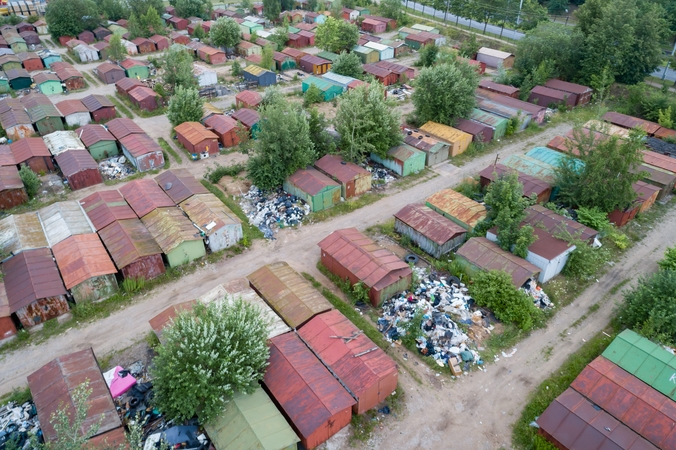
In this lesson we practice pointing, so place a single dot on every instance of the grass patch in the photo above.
(120, 107)
(67, 58)
(364, 424)
(167, 148)
(414, 178)
(498, 342)
(214, 175)
(91, 79)
(167, 161)
(615, 289)
(345, 207)
(250, 232)
(17, 395)
(524, 436)
(138, 111)
(37, 203)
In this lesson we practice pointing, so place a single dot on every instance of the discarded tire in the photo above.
(411, 258)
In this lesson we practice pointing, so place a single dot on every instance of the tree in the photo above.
(178, 68)
(537, 77)
(71, 17)
(507, 211)
(665, 117)
(322, 140)
(669, 260)
(225, 33)
(279, 37)
(557, 6)
(367, 123)
(283, 145)
(272, 95)
(348, 64)
(199, 33)
(30, 181)
(312, 5)
(272, 9)
(607, 174)
(392, 9)
(428, 55)
(134, 26)
(192, 8)
(185, 106)
(445, 92)
(469, 47)
(246, 5)
(114, 9)
(208, 355)
(532, 14)
(116, 51)
(267, 60)
(236, 69)
(140, 7)
(336, 35)
(312, 95)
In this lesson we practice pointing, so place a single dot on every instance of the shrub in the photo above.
(30, 180)
(593, 218)
(669, 260)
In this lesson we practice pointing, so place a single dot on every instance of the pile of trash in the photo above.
(540, 299)
(18, 423)
(115, 168)
(272, 210)
(400, 93)
(380, 174)
(442, 301)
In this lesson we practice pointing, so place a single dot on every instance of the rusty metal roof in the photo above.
(108, 67)
(5, 310)
(127, 241)
(180, 184)
(128, 84)
(68, 107)
(82, 257)
(567, 87)
(94, 102)
(247, 116)
(288, 293)
(305, 390)
(6, 156)
(531, 185)
(311, 181)
(457, 205)
(142, 92)
(29, 147)
(208, 212)
(626, 121)
(514, 103)
(220, 123)
(193, 132)
(52, 388)
(541, 217)
(91, 134)
(140, 144)
(487, 255)
(20, 232)
(10, 178)
(31, 275)
(249, 97)
(145, 196)
(105, 207)
(342, 170)
(170, 228)
(64, 219)
(122, 127)
(661, 161)
(429, 223)
(373, 265)
(43, 77)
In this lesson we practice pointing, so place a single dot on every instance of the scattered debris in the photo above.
(381, 175)
(540, 299)
(116, 168)
(271, 210)
(18, 423)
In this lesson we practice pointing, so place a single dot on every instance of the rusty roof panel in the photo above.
(30, 276)
(626, 121)
(247, 116)
(82, 257)
(539, 216)
(457, 205)
(311, 181)
(122, 127)
(342, 170)
(64, 219)
(53, 384)
(193, 132)
(288, 293)
(661, 161)
(179, 184)
(165, 318)
(531, 185)
(170, 228)
(92, 133)
(27, 148)
(220, 123)
(140, 144)
(10, 178)
(127, 241)
(6, 156)
(207, 209)
(145, 196)
(489, 256)
(20, 232)
(105, 207)
(427, 222)
(251, 98)
(4, 302)
(95, 102)
(68, 107)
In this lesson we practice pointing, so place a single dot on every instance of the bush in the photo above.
(313, 95)
(214, 175)
(30, 180)
(669, 260)
(593, 218)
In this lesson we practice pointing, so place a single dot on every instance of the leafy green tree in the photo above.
(208, 355)
(272, 95)
(272, 9)
(665, 118)
(348, 64)
(192, 8)
(30, 181)
(445, 92)
(312, 5)
(134, 26)
(557, 6)
(601, 84)
(312, 95)
(225, 32)
(428, 55)
(469, 47)
(114, 9)
(537, 77)
(267, 61)
(336, 35)
(199, 33)
(322, 140)
(507, 211)
(336, 9)
(551, 42)
(185, 106)
(279, 37)
(146, 25)
(71, 17)
(532, 14)
(178, 68)
(392, 9)
(116, 51)
(246, 5)
(283, 145)
(140, 7)
(287, 5)
(367, 123)
(669, 260)
(236, 69)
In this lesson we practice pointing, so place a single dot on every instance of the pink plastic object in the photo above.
(120, 385)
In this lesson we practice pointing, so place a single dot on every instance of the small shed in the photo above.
(79, 169)
(661, 178)
(429, 230)
(18, 78)
(135, 69)
(249, 118)
(62, 220)
(288, 293)
(106, 207)
(44, 115)
(225, 128)
(550, 156)
(15, 120)
(71, 77)
(101, 33)
(161, 42)
(125, 85)
(497, 124)
(74, 112)
(259, 75)
(142, 152)
(479, 253)
(350, 255)
(284, 61)
(502, 89)
(52, 387)
(246, 48)
(48, 83)
(86, 53)
(416, 41)
(526, 111)
(531, 166)
(403, 73)
(196, 138)
(458, 140)
(580, 95)
(179, 185)
(100, 107)
(211, 55)
(354, 180)
(179, 240)
(25, 26)
(98, 141)
(435, 151)
(145, 98)
(61, 141)
(248, 99)
(86, 269)
(30, 61)
(546, 219)
(30, 37)
(541, 95)
(4, 83)
(295, 54)
(10, 61)
(451, 204)
(48, 57)
(12, 190)
(402, 159)
(314, 64)
(479, 131)
(179, 38)
(41, 27)
(659, 160)
(219, 225)
(34, 153)
(20, 232)
(531, 185)
(314, 402)
(385, 76)
(110, 73)
(179, 23)
(625, 121)
(328, 89)
(373, 26)
(35, 292)
(329, 56)
(384, 51)
(370, 377)
(133, 249)
(144, 45)
(297, 41)
(145, 196)
(495, 58)
(318, 190)
(341, 80)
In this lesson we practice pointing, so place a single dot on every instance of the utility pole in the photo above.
(664, 74)
(518, 17)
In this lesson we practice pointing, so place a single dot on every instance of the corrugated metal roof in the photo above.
(39, 107)
(142, 92)
(68, 107)
(193, 132)
(626, 121)
(10, 178)
(656, 174)
(430, 224)
(343, 171)
(338, 79)
(249, 97)
(52, 388)
(508, 90)
(127, 241)
(487, 255)
(91, 134)
(302, 386)
(75, 161)
(370, 263)
(255, 70)
(127, 84)
(658, 160)
(423, 142)
(567, 87)
(108, 67)
(445, 132)
(220, 123)
(61, 141)
(30, 276)
(6, 156)
(549, 92)
(82, 257)
(531, 166)
(64, 219)
(293, 52)
(206, 209)
(402, 152)
(531, 185)
(457, 205)
(44, 77)
(95, 102)
(145, 196)
(105, 207)
(552, 157)
(311, 180)
(128, 63)
(27, 148)
(513, 103)
(541, 217)
(179, 184)
(315, 60)
(288, 293)
(376, 70)
(122, 127)
(247, 116)
(20, 232)
(170, 228)
(322, 83)
(495, 53)
(13, 74)
(140, 144)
